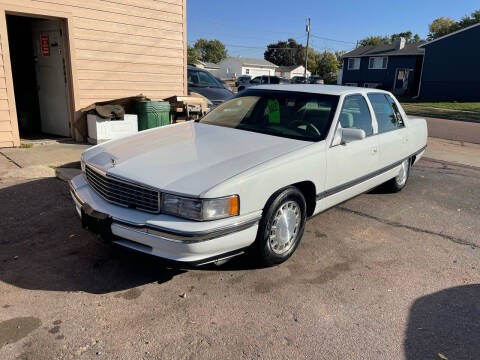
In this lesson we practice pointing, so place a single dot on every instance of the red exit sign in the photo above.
(44, 45)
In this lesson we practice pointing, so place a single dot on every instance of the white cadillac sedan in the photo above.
(248, 174)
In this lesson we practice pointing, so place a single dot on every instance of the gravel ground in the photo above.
(380, 277)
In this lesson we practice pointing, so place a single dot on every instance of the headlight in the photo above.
(201, 209)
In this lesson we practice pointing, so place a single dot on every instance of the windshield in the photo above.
(201, 79)
(289, 114)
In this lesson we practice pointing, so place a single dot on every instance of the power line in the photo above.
(330, 39)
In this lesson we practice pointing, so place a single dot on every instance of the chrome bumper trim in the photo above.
(74, 193)
(171, 234)
(186, 236)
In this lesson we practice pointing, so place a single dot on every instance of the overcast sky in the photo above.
(247, 26)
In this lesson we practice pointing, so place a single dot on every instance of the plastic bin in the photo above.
(100, 129)
(153, 114)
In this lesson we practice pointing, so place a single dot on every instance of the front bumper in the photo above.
(164, 235)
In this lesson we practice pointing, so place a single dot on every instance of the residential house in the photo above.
(394, 67)
(288, 72)
(59, 56)
(236, 66)
(451, 66)
(212, 68)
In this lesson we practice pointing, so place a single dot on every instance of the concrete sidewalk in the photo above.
(457, 152)
(41, 161)
(453, 130)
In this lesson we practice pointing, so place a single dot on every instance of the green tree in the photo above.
(338, 55)
(193, 55)
(210, 50)
(467, 21)
(374, 41)
(327, 66)
(285, 53)
(440, 27)
(384, 40)
(407, 35)
(444, 26)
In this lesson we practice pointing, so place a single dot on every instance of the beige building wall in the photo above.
(117, 48)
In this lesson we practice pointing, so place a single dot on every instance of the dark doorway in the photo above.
(23, 71)
(37, 54)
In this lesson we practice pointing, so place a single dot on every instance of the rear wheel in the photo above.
(282, 226)
(400, 181)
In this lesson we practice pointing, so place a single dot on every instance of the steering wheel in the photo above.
(309, 127)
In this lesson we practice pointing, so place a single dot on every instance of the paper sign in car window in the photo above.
(273, 107)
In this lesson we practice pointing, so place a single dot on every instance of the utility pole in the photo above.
(306, 49)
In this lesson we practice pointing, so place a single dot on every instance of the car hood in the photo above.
(212, 94)
(187, 158)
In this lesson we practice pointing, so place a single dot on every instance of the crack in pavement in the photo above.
(412, 228)
(11, 160)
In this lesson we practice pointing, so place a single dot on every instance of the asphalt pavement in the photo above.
(382, 276)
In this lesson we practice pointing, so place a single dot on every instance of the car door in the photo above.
(350, 164)
(392, 133)
(265, 79)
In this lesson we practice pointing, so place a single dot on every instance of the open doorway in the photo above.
(37, 55)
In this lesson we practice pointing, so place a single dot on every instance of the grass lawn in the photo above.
(451, 110)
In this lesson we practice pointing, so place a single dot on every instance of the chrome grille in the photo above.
(123, 193)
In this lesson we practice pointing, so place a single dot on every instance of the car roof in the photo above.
(320, 89)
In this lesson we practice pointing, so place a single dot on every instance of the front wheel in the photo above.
(282, 226)
(400, 181)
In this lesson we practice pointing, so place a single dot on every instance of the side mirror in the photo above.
(349, 135)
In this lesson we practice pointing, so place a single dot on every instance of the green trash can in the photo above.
(153, 114)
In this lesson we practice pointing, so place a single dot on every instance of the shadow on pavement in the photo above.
(43, 246)
(446, 323)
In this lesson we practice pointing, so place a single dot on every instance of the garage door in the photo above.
(259, 72)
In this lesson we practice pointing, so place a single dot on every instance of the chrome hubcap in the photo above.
(285, 225)
(402, 175)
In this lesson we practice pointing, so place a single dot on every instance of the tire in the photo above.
(284, 214)
(400, 181)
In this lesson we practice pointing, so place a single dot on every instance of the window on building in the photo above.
(386, 112)
(247, 71)
(378, 62)
(353, 64)
(356, 115)
(372, 85)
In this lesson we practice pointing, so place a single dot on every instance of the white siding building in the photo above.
(231, 67)
(288, 72)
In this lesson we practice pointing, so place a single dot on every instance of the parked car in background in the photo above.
(205, 84)
(263, 80)
(242, 79)
(248, 174)
(225, 85)
(315, 79)
(299, 80)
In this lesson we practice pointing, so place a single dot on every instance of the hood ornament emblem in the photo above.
(113, 162)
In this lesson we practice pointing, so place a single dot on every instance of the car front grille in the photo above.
(123, 193)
